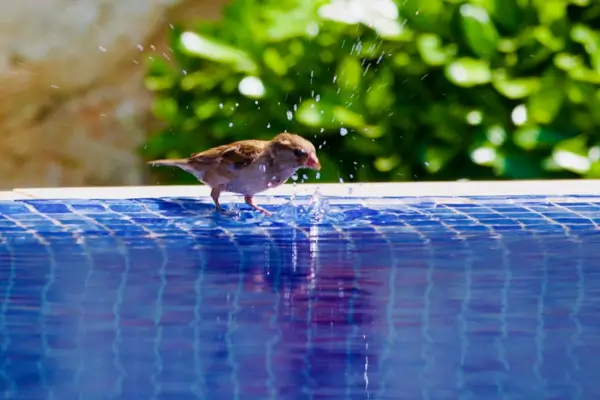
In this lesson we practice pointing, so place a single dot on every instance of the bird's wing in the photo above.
(237, 154)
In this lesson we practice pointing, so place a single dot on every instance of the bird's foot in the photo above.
(250, 201)
(223, 211)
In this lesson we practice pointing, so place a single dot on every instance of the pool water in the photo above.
(448, 298)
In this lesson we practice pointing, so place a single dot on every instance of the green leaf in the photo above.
(545, 104)
(386, 164)
(275, 62)
(165, 108)
(507, 13)
(379, 96)
(349, 73)
(197, 45)
(328, 116)
(531, 138)
(518, 166)
(514, 88)
(347, 117)
(590, 41)
(594, 171)
(575, 67)
(423, 14)
(206, 80)
(468, 72)
(436, 158)
(550, 11)
(158, 83)
(206, 109)
(544, 35)
(572, 155)
(479, 31)
(372, 132)
(431, 49)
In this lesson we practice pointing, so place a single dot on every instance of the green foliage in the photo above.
(444, 89)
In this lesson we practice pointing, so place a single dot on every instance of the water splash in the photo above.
(318, 207)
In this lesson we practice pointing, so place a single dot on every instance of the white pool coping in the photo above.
(550, 188)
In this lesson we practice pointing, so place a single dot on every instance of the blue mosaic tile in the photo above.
(143, 298)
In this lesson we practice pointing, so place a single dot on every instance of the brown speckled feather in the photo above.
(238, 154)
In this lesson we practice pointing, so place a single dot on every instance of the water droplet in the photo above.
(102, 48)
(295, 177)
(318, 175)
(140, 47)
(268, 125)
(318, 98)
(322, 130)
(221, 106)
(183, 71)
(341, 180)
(289, 115)
(334, 78)
(351, 176)
(343, 131)
(230, 124)
(304, 177)
(262, 167)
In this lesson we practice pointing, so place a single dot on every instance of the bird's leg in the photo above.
(215, 193)
(250, 202)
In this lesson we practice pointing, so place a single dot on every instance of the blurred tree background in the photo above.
(391, 91)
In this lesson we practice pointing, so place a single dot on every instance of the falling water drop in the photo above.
(102, 48)
(268, 125)
(318, 175)
(221, 106)
(262, 168)
(343, 131)
(231, 124)
(289, 115)
(295, 177)
(341, 180)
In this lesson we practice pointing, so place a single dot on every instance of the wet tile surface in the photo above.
(480, 298)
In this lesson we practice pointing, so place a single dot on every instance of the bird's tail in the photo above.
(182, 162)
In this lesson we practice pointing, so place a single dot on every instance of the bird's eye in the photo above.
(299, 152)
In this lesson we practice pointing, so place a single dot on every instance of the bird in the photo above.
(248, 167)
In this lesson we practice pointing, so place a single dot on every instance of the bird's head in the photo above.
(294, 150)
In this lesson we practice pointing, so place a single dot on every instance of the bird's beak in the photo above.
(312, 162)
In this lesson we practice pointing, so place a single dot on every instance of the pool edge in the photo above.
(348, 190)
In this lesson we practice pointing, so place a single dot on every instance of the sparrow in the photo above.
(248, 167)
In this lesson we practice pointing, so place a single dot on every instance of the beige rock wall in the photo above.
(73, 109)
